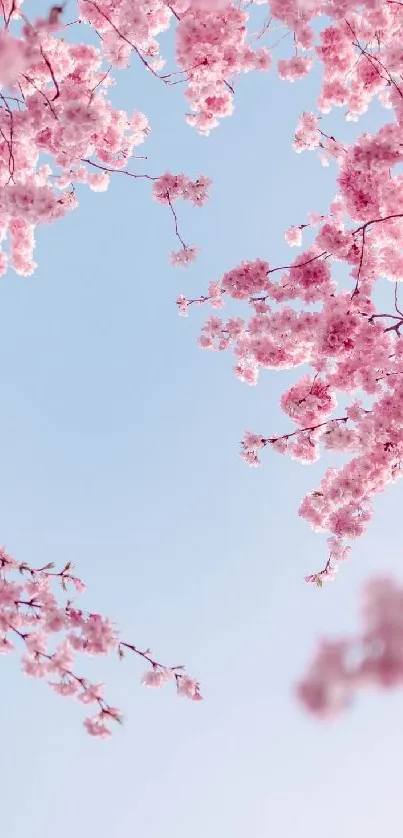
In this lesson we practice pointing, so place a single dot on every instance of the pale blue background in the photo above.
(119, 443)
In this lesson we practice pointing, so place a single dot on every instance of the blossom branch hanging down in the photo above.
(350, 347)
(63, 111)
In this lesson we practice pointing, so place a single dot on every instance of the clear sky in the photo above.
(119, 442)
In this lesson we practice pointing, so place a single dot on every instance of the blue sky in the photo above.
(119, 442)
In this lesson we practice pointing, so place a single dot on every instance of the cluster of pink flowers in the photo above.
(352, 349)
(58, 103)
(212, 49)
(292, 69)
(309, 401)
(168, 188)
(128, 27)
(372, 658)
(54, 102)
(51, 631)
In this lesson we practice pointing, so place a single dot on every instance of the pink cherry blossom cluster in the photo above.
(298, 313)
(51, 631)
(54, 98)
(372, 658)
(211, 47)
(54, 102)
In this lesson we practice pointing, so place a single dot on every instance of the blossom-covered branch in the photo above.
(298, 313)
(54, 101)
(52, 631)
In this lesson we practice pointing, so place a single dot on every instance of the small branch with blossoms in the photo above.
(251, 443)
(339, 551)
(126, 40)
(168, 188)
(32, 614)
(374, 61)
(168, 78)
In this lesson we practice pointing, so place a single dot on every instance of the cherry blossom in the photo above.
(59, 131)
(51, 631)
(54, 102)
(293, 236)
(297, 313)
